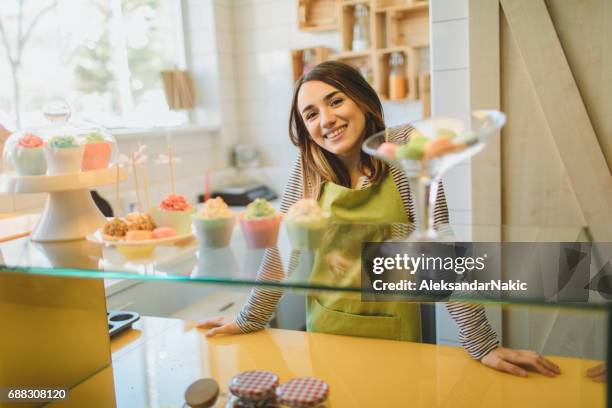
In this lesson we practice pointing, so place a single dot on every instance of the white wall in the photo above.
(265, 32)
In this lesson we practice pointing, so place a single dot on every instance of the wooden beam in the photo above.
(485, 94)
(564, 111)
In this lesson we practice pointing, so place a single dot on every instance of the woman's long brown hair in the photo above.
(319, 165)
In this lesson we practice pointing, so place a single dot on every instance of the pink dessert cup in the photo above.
(261, 233)
(215, 232)
(96, 156)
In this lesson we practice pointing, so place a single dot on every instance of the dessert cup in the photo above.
(179, 220)
(96, 156)
(29, 161)
(307, 236)
(214, 232)
(62, 160)
(261, 233)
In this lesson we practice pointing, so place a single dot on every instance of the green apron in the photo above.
(362, 216)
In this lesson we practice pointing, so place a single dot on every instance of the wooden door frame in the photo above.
(563, 108)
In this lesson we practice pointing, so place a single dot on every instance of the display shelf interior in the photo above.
(318, 55)
(425, 94)
(408, 25)
(317, 15)
(347, 23)
(409, 69)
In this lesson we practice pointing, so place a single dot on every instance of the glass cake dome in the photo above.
(61, 147)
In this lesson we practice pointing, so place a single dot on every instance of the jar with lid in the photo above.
(305, 392)
(61, 147)
(307, 61)
(397, 79)
(361, 29)
(253, 389)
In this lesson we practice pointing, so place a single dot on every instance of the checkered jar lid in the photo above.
(302, 392)
(254, 385)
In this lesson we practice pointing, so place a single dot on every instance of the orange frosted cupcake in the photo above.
(175, 212)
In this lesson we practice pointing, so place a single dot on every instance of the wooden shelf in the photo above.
(394, 26)
(317, 15)
(318, 55)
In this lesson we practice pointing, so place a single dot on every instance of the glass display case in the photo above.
(53, 302)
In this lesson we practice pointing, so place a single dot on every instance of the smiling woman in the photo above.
(333, 110)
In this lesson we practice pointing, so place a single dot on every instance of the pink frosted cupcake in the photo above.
(214, 224)
(97, 152)
(260, 224)
(28, 156)
(175, 212)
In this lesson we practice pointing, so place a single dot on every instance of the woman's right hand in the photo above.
(219, 325)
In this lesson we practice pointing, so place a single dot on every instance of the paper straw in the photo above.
(138, 202)
(117, 210)
(171, 164)
(206, 185)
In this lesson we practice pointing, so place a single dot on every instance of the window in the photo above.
(104, 57)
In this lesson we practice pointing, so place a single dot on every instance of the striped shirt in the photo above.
(475, 333)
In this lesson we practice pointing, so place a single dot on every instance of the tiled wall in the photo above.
(451, 90)
(264, 33)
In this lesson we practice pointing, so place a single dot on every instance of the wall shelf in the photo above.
(317, 55)
(317, 15)
(393, 26)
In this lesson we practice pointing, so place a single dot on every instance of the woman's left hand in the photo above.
(517, 362)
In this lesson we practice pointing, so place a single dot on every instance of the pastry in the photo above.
(214, 223)
(137, 221)
(115, 229)
(306, 222)
(175, 212)
(96, 153)
(28, 156)
(260, 224)
(63, 154)
(163, 232)
(387, 149)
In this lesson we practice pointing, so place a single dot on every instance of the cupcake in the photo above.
(306, 222)
(96, 152)
(214, 223)
(28, 156)
(64, 155)
(175, 212)
(260, 224)
(137, 251)
(115, 230)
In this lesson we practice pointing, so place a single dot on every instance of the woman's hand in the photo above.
(599, 373)
(219, 325)
(517, 362)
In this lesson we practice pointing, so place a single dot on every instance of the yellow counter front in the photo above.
(154, 364)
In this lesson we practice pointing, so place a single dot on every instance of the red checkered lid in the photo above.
(303, 392)
(254, 385)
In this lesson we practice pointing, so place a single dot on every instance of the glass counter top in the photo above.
(547, 268)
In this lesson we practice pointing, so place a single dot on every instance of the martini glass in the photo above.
(424, 175)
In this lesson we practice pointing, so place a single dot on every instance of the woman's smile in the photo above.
(335, 134)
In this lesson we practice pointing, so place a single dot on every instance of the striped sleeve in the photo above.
(475, 332)
(262, 302)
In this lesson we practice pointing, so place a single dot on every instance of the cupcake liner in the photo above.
(213, 233)
(305, 236)
(261, 233)
(29, 161)
(64, 160)
(96, 156)
(179, 220)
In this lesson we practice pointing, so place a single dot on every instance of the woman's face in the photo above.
(334, 121)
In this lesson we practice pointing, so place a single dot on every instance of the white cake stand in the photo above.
(70, 213)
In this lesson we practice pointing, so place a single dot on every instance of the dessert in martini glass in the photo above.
(433, 147)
